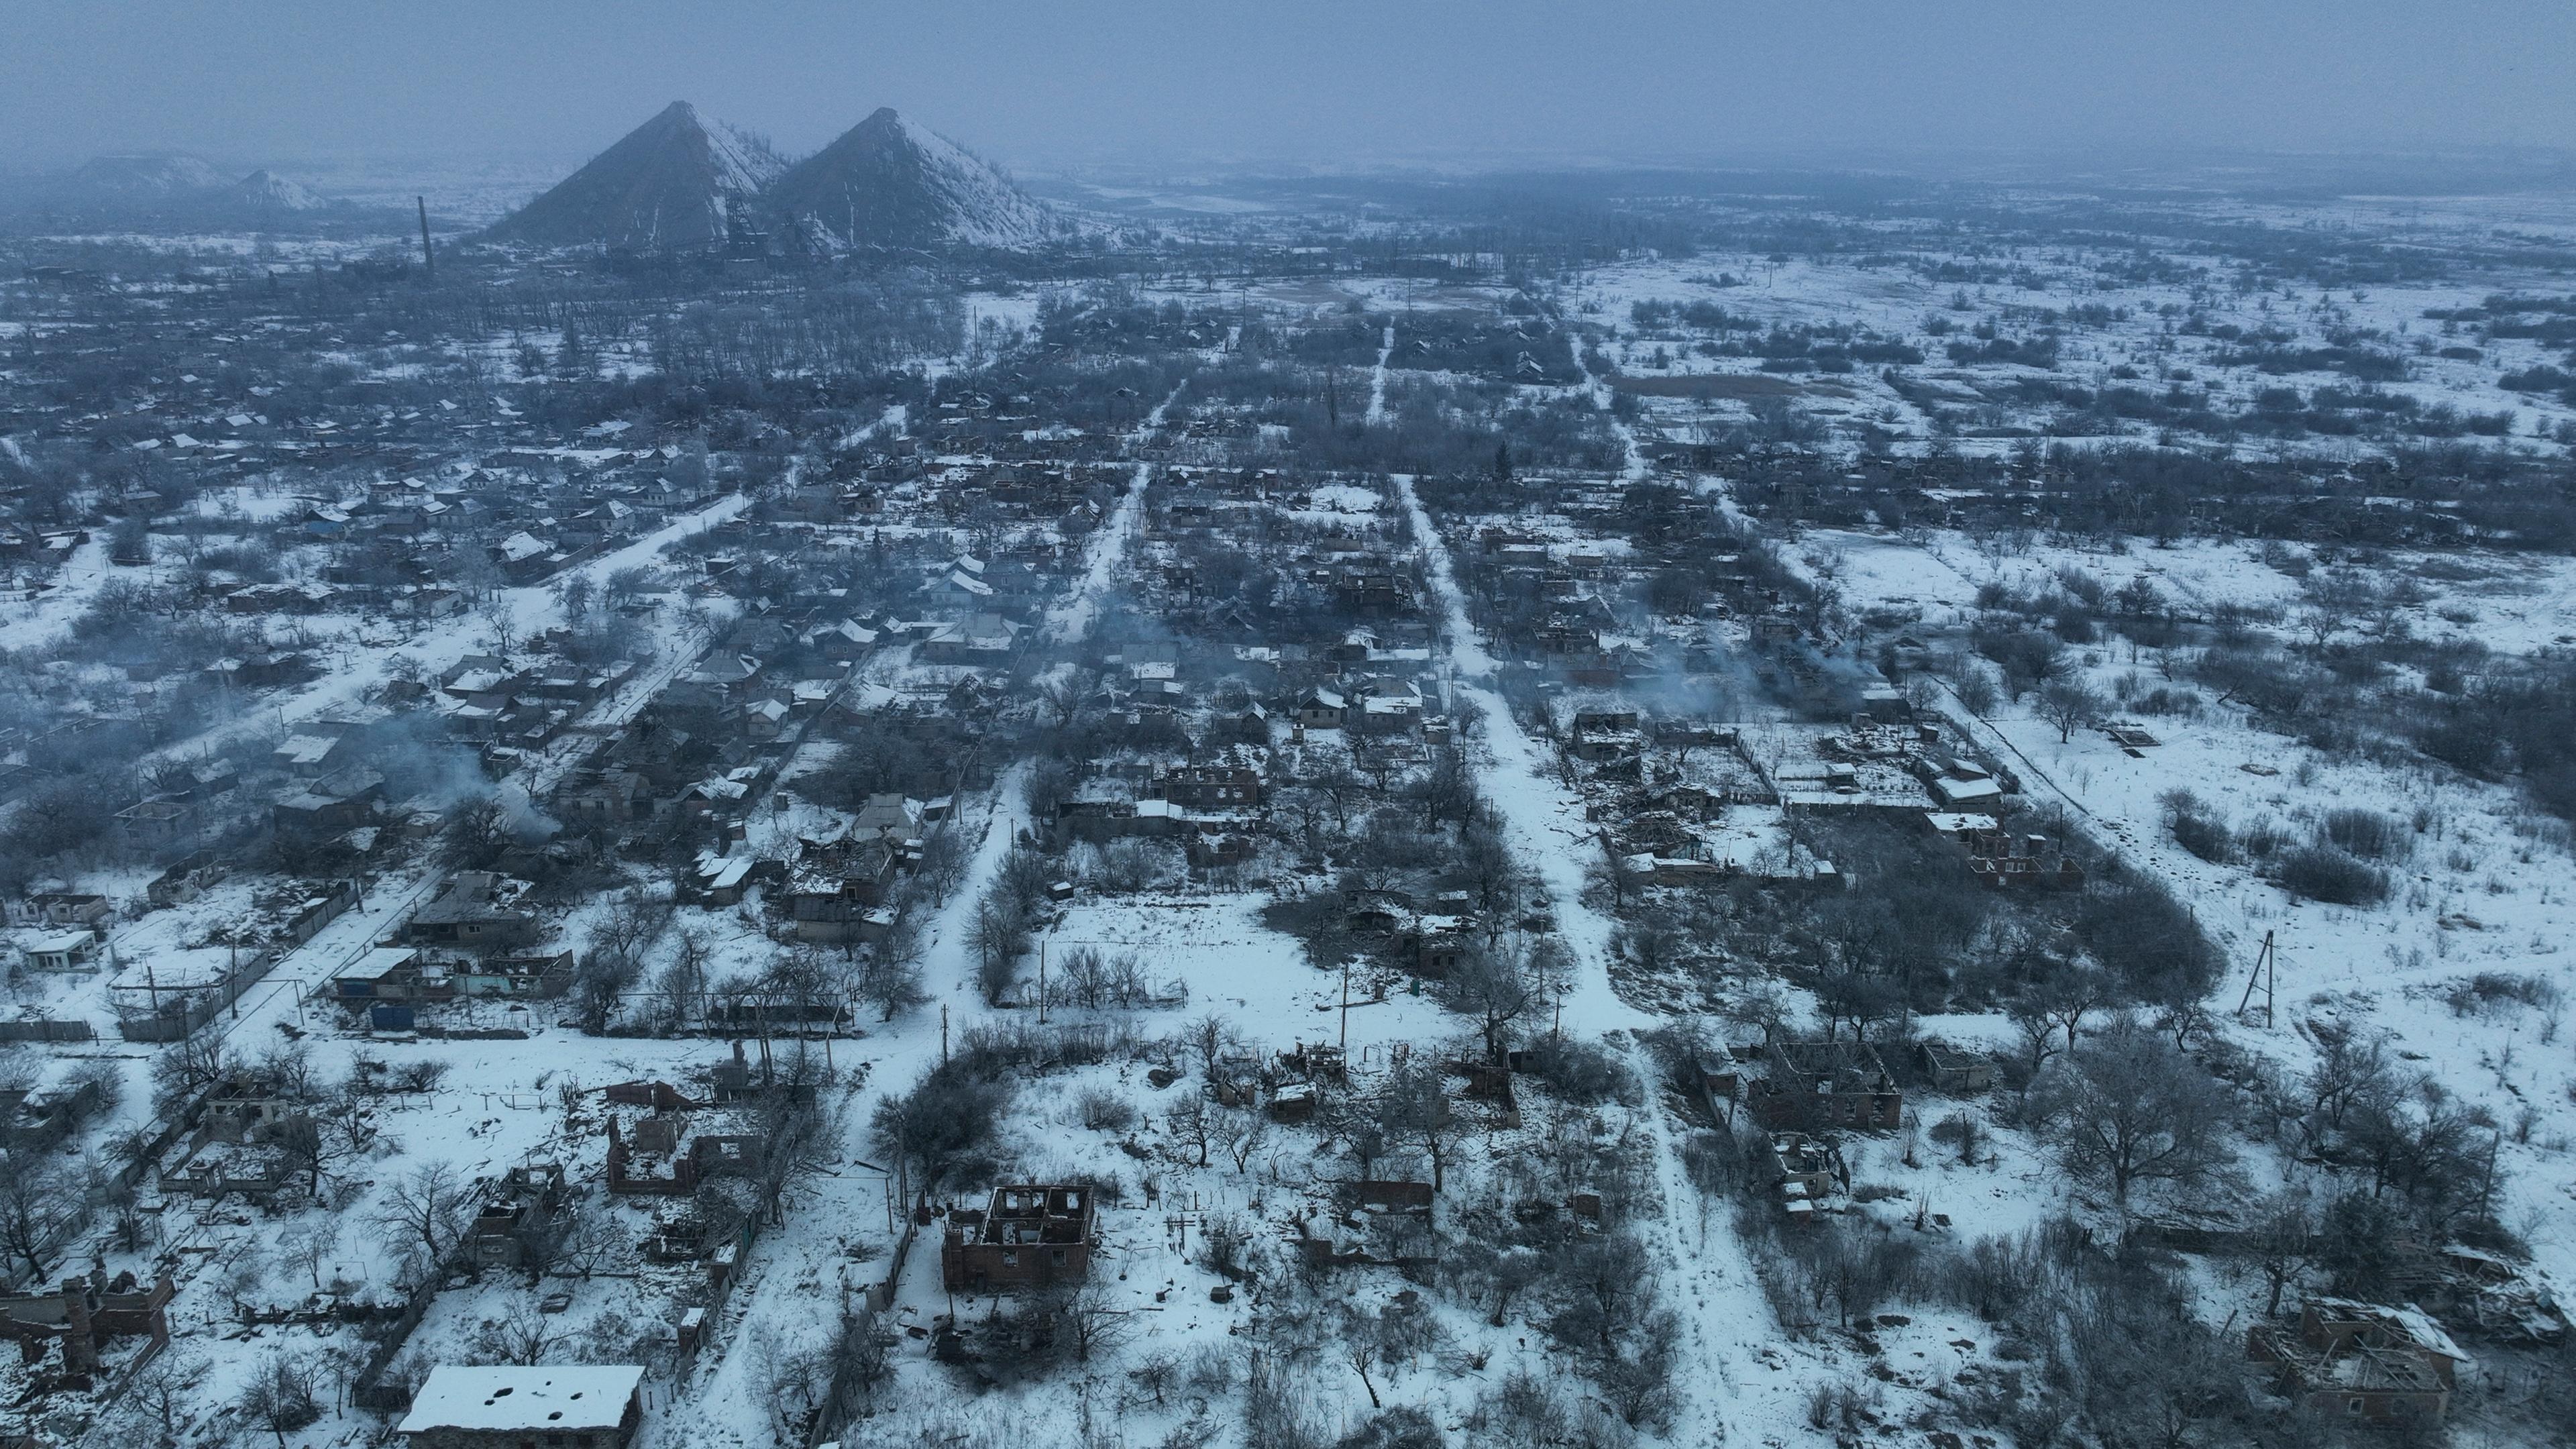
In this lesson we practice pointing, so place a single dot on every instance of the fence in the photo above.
(179, 1019)
(367, 1391)
(47, 1031)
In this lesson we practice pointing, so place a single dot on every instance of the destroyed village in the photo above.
(740, 797)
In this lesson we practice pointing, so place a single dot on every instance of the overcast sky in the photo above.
(1046, 82)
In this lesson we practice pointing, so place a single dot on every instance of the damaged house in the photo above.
(2365, 1363)
(1029, 1234)
(1816, 1085)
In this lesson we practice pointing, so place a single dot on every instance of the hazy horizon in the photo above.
(1329, 86)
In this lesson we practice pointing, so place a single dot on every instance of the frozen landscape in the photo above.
(745, 795)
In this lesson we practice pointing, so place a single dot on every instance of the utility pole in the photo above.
(428, 258)
(2266, 966)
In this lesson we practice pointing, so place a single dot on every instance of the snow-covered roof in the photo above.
(307, 749)
(379, 963)
(59, 943)
(1955, 791)
(523, 545)
(549, 1398)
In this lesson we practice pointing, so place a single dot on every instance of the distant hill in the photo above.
(170, 193)
(889, 183)
(268, 191)
(676, 183)
(141, 179)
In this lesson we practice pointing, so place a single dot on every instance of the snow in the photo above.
(76, 586)
(985, 209)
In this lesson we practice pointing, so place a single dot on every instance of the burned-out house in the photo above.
(1954, 1069)
(1211, 788)
(61, 909)
(664, 1160)
(1029, 1235)
(160, 823)
(516, 1213)
(1804, 1170)
(603, 798)
(247, 1120)
(539, 974)
(80, 1316)
(1819, 1085)
(342, 800)
(386, 973)
(2029, 862)
(1601, 736)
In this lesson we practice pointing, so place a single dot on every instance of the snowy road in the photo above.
(786, 1305)
(1073, 619)
(1600, 392)
(1377, 377)
(1709, 1280)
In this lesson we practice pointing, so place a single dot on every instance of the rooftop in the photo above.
(553, 1398)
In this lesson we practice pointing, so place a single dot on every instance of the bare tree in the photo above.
(311, 1246)
(1095, 1321)
(1499, 987)
(1360, 1349)
(524, 1334)
(1242, 1144)
(2283, 1246)
(998, 935)
(1448, 791)
(163, 1390)
(1196, 1125)
(2128, 1108)
(948, 1114)
(2069, 705)
(428, 1206)
(280, 1396)
(1414, 1108)
(890, 978)
(1212, 1038)
(1065, 692)
(1764, 1006)
(193, 1065)
(39, 1208)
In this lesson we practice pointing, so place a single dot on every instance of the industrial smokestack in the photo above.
(428, 259)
